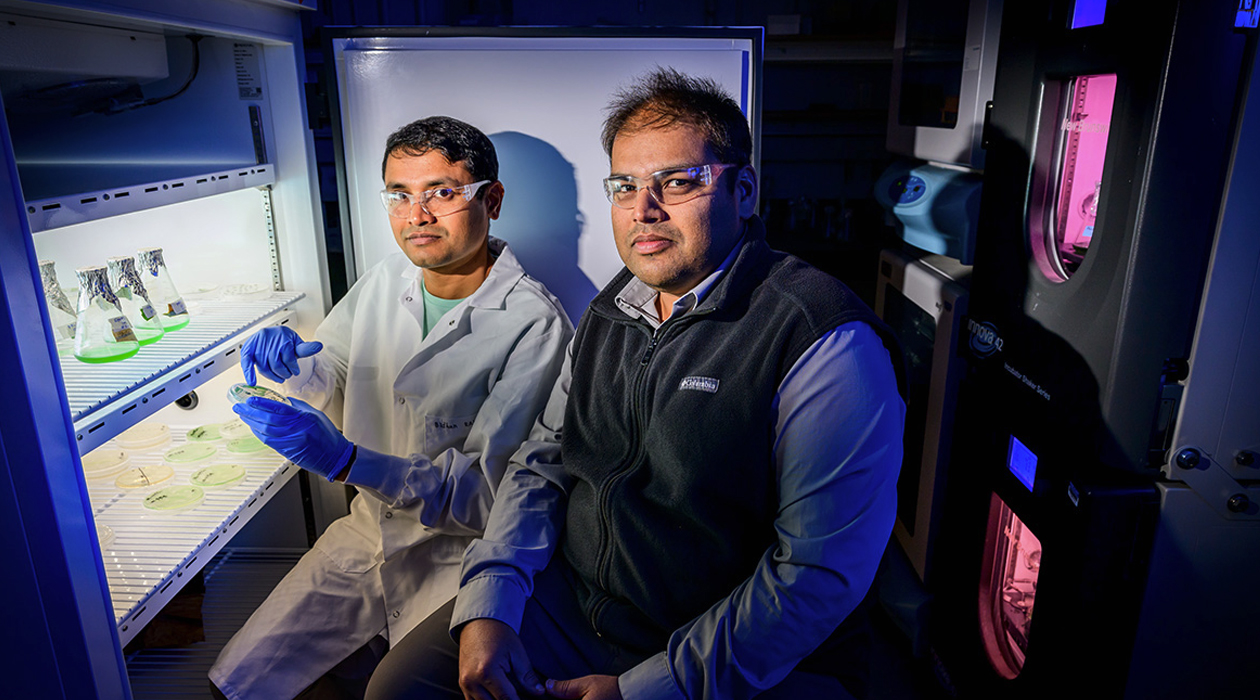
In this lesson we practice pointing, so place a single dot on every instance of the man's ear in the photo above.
(494, 199)
(746, 192)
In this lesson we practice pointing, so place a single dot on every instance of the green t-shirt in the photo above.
(434, 308)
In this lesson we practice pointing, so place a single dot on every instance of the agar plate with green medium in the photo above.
(190, 453)
(206, 433)
(240, 393)
(233, 429)
(175, 498)
(246, 445)
(218, 476)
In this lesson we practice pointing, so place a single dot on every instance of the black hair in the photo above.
(457, 141)
(665, 97)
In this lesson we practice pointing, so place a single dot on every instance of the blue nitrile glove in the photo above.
(299, 432)
(275, 350)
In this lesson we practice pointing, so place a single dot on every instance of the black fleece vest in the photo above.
(669, 435)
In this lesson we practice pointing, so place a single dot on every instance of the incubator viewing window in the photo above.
(1008, 588)
(1064, 228)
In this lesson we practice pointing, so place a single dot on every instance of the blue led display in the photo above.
(1248, 14)
(1088, 13)
(1022, 463)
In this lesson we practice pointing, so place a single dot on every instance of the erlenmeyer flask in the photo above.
(104, 333)
(157, 281)
(134, 300)
(60, 312)
(1089, 214)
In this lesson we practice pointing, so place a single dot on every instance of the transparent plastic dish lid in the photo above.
(104, 535)
(143, 477)
(218, 475)
(189, 453)
(234, 428)
(173, 498)
(145, 435)
(245, 445)
(245, 292)
(105, 461)
(206, 433)
(239, 393)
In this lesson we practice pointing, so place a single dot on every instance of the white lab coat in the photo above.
(450, 409)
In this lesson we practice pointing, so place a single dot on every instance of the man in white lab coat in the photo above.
(443, 355)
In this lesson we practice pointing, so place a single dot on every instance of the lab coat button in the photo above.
(388, 515)
(401, 400)
(397, 613)
(408, 298)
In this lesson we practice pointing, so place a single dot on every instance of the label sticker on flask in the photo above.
(176, 308)
(67, 331)
(147, 312)
(121, 328)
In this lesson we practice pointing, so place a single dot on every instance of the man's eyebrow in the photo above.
(430, 185)
(667, 169)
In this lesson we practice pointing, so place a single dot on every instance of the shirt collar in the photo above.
(638, 300)
(492, 294)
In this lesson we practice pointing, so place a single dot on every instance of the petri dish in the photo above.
(246, 445)
(175, 498)
(246, 292)
(203, 291)
(190, 453)
(145, 436)
(104, 535)
(234, 428)
(206, 433)
(238, 393)
(144, 477)
(218, 476)
(105, 461)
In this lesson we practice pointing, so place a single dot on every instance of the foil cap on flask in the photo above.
(105, 333)
(134, 300)
(157, 280)
(60, 311)
(52, 288)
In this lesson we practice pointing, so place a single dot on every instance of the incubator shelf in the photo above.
(106, 399)
(105, 198)
(154, 552)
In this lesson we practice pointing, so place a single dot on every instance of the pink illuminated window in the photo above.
(1069, 221)
(1008, 588)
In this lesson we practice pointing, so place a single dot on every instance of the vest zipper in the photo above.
(605, 496)
(647, 354)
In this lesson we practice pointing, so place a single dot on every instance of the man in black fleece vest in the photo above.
(706, 497)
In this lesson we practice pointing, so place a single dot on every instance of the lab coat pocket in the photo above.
(352, 542)
(444, 432)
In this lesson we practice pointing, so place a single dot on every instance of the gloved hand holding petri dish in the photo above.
(240, 393)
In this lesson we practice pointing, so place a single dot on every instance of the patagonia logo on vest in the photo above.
(706, 384)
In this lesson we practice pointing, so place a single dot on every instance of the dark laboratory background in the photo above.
(827, 72)
(1078, 502)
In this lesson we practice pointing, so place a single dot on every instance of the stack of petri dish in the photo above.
(145, 436)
